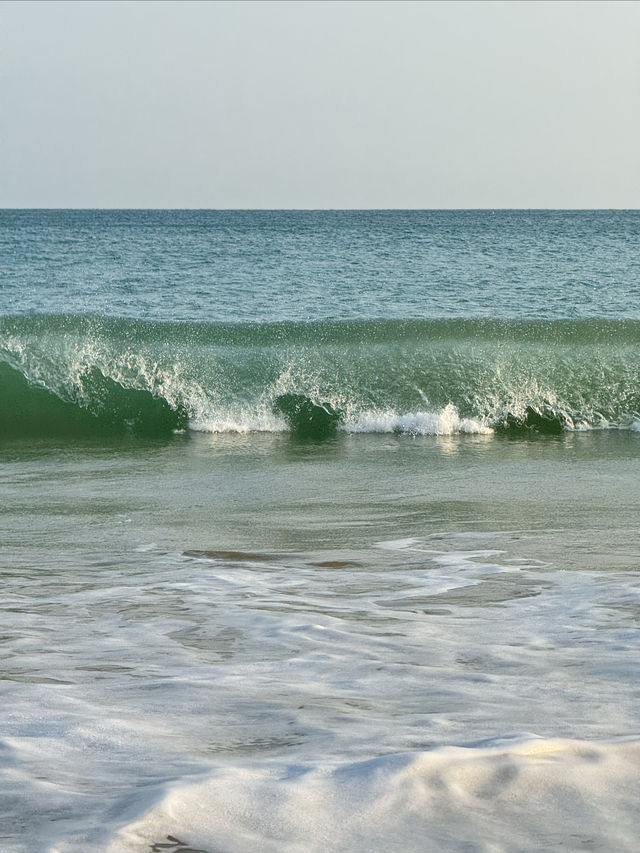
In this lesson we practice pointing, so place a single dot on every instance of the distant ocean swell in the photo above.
(84, 375)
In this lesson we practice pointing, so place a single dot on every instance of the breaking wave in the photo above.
(81, 374)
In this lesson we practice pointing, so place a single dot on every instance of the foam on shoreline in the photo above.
(533, 795)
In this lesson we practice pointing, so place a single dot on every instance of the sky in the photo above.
(304, 104)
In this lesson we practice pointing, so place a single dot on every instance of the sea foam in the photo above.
(533, 795)
(447, 421)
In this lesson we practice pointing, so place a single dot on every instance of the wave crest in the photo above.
(83, 374)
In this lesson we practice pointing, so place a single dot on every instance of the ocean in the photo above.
(319, 531)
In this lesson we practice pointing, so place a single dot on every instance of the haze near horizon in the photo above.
(320, 104)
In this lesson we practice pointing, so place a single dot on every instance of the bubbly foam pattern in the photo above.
(541, 794)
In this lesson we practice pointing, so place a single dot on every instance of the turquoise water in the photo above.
(319, 530)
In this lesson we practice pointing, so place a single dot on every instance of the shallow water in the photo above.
(394, 595)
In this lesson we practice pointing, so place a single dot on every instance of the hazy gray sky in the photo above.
(319, 104)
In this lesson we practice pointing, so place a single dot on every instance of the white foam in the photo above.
(273, 679)
(539, 794)
(260, 418)
(397, 544)
(447, 421)
(241, 421)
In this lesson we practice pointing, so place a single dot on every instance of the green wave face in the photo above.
(106, 408)
(81, 374)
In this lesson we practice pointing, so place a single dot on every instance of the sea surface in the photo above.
(319, 531)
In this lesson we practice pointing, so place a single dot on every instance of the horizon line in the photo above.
(322, 209)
